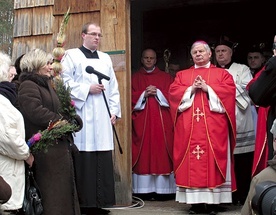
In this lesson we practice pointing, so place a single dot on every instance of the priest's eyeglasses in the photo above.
(94, 34)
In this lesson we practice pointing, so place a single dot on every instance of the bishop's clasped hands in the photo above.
(199, 83)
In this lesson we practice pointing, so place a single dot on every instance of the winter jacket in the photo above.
(13, 152)
(53, 170)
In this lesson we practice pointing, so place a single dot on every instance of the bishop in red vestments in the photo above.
(202, 104)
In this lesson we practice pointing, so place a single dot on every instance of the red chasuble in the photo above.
(202, 136)
(152, 127)
(261, 144)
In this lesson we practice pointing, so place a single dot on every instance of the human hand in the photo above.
(113, 119)
(199, 83)
(77, 121)
(30, 160)
(151, 91)
(96, 88)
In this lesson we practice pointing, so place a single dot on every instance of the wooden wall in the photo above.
(36, 26)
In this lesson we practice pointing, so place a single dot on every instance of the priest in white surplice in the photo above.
(245, 141)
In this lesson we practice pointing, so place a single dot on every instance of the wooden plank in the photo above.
(76, 6)
(38, 3)
(43, 20)
(118, 59)
(90, 5)
(22, 45)
(23, 4)
(33, 21)
(60, 7)
(108, 15)
(22, 22)
(18, 4)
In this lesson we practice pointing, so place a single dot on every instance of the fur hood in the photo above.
(41, 80)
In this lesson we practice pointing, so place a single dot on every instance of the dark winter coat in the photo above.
(39, 103)
(263, 93)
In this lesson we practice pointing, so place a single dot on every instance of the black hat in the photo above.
(224, 40)
(257, 48)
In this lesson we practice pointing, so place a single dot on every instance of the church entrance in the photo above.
(176, 24)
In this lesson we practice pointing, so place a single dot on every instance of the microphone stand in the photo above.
(114, 130)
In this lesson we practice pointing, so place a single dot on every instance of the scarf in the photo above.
(8, 90)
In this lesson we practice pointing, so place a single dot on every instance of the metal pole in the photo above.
(114, 130)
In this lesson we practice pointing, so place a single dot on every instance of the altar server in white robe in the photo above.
(94, 164)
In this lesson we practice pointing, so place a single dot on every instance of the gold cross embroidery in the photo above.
(197, 151)
(198, 114)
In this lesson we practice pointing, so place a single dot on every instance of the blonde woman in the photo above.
(40, 105)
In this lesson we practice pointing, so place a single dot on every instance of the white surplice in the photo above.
(97, 132)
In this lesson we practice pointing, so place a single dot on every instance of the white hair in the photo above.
(5, 63)
(201, 42)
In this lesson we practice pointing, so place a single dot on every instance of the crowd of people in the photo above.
(203, 136)
(221, 126)
(40, 112)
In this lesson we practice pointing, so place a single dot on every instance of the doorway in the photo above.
(176, 24)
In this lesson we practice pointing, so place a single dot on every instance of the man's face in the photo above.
(223, 54)
(200, 55)
(92, 38)
(173, 68)
(255, 60)
(148, 59)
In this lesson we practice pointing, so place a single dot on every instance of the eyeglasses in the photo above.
(94, 34)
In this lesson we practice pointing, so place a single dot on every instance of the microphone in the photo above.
(90, 70)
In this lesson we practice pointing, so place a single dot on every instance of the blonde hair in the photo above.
(5, 63)
(34, 60)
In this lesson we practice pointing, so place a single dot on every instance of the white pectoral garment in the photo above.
(97, 131)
